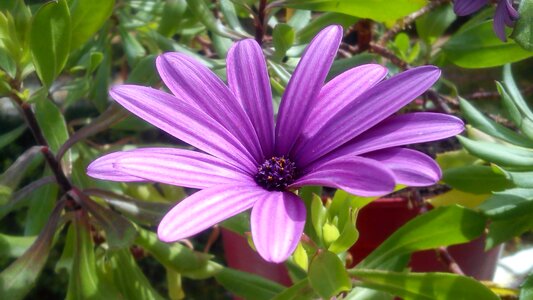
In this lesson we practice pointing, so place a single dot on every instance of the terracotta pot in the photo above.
(376, 222)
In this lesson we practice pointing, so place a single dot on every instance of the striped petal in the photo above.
(248, 80)
(401, 130)
(367, 110)
(410, 167)
(339, 92)
(277, 223)
(467, 7)
(167, 165)
(304, 86)
(195, 84)
(206, 208)
(356, 175)
(185, 122)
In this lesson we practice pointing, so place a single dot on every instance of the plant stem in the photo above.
(446, 258)
(37, 133)
(260, 22)
(408, 20)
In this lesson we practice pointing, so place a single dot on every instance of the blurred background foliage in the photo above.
(65, 235)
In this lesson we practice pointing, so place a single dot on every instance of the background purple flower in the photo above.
(505, 13)
(341, 134)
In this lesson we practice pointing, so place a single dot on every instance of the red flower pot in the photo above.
(375, 222)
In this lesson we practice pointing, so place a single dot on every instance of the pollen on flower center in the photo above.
(276, 173)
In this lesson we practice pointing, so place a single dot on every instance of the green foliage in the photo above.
(523, 30)
(378, 10)
(434, 286)
(79, 49)
(478, 47)
(327, 275)
(50, 38)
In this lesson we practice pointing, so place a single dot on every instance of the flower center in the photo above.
(276, 173)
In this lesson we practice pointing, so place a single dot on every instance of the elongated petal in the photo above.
(248, 79)
(466, 7)
(410, 167)
(356, 175)
(340, 91)
(367, 110)
(195, 84)
(304, 86)
(173, 166)
(207, 208)
(499, 20)
(185, 122)
(401, 130)
(277, 222)
(102, 168)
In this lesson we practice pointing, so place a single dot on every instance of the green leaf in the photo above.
(327, 275)
(475, 118)
(283, 38)
(248, 286)
(433, 24)
(502, 155)
(14, 246)
(479, 47)
(299, 291)
(515, 104)
(526, 288)
(457, 197)
(476, 179)
(509, 204)
(427, 286)
(457, 158)
(84, 282)
(133, 48)
(120, 233)
(122, 270)
(50, 37)
(379, 10)
(52, 123)
(523, 30)
(170, 21)
(42, 202)
(443, 226)
(19, 277)
(503, 230)
(9, 137)
(177, 257)
(88, 16)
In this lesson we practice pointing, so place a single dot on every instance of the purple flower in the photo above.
(341, 134)
(505, 13)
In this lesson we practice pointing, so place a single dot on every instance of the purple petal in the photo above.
(511, 11)
(410, 167)
(206, 208)
(171, 166)
(185, 122)
(499, 21)
(466, 7)
(401, 130)
(277, 222)
(339, 92)
(248, 79)
(102, 168)
(367, 110)
(304, 86)
(356, 175)
(195, 84)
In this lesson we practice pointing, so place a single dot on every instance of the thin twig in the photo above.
(260, 22)
(446, 258)
(408, 20)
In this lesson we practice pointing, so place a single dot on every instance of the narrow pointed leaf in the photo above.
(327, 275)
(424, 286)
(50, 37)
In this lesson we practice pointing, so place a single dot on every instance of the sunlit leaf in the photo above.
(327, 275)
